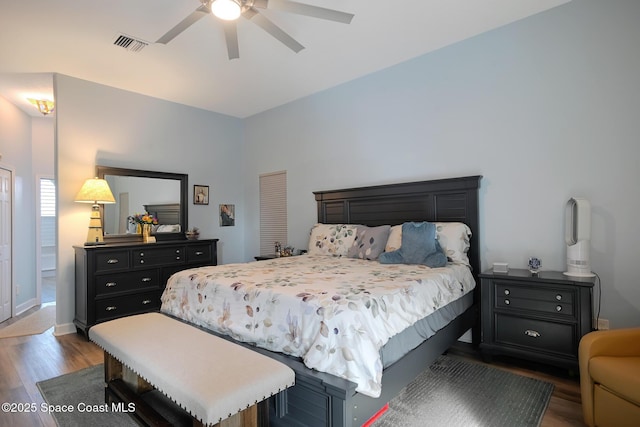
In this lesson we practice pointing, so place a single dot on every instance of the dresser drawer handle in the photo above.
(111, 308)
(141, 253)
(199, 253)
(532, 333)
(145, 302)
(177, 258)
(558, 308)
(146, 279)
(177, 251)
(559, 297)
(110, 284)
(507, 302)
(141, 261)
(113, 261)
(507, 292)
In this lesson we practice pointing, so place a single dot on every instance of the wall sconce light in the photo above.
(95, 191)
(43, 105)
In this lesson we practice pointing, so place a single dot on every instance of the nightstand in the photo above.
(539, 317)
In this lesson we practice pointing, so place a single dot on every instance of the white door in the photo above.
(5, 244)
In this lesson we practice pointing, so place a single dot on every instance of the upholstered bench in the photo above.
(210, 378)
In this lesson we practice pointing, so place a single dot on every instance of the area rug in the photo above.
(452, 392)
(455, 392)
(84, 392)
(33, 324)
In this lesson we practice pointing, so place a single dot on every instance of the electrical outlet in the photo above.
(603, 324)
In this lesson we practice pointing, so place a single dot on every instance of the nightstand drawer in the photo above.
(111, 308)
(536, 335)
(115, 283)
(547, 307)
(112, 261)
(518, 290)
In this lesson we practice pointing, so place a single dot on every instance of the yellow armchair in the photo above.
(610, 377)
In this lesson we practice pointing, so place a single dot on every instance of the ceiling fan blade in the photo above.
(308, 10)
(275, 31)
(231, 37)
(184, 24)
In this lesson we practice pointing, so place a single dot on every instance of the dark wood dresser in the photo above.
(539, 317)
(118, 280)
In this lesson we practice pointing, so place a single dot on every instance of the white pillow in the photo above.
(331, 239)
(453, 238)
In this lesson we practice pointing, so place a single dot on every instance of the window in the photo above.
(273, 211)
(48, 212)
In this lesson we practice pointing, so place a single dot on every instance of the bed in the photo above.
(370, 341)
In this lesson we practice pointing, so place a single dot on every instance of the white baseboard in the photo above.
(64, 329)
(25, 306)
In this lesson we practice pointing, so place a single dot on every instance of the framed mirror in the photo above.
(161, 194)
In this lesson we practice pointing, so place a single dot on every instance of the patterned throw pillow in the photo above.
(331, 239)
(369, 242)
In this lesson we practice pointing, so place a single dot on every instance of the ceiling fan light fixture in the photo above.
(227, 10)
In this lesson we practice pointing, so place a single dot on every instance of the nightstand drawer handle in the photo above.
(111, 308)
(110, 284)
(147, 301)
(199, 253)
(507, 302)
(146, 279)
(558, 308)
(113, 261)
(507, 292)
(532, 333)
(559, 297)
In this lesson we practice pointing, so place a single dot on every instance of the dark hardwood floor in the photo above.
(27, 360)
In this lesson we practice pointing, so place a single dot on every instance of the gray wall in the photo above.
(138, 132)
(545, 109)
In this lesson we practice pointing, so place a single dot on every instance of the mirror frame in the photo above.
(101, 171)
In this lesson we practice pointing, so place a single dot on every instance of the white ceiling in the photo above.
(41, 37)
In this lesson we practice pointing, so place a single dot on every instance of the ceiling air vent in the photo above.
(129, 43)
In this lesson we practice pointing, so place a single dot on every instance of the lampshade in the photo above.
(95, 190)
(43, 105)
(226, 9)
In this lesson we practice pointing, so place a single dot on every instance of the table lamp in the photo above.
(95, 191)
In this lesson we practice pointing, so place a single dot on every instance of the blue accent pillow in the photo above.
(419, 246)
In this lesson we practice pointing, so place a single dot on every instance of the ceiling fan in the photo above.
(230, 10)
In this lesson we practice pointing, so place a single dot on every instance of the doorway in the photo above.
(47, 239)
(6, 221)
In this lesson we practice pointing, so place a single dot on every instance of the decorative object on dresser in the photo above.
(538, 317)
(534, 265)
(121, 279)
(95, 191)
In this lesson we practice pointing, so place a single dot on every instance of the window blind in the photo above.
(273, 211)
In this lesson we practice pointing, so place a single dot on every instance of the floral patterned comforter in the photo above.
(334, 313)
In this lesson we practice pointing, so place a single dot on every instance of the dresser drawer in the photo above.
(199, 254)
(109, 284)
(513, 290)
(158, 256)
(111, 308)
(112, 261)
(536, 335)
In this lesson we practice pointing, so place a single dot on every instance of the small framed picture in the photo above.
(200, 194)
(227, 215)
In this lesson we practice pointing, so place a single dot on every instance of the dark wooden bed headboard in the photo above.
(443, 200)
(166, 213)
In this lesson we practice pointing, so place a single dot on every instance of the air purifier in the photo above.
(577, 236)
